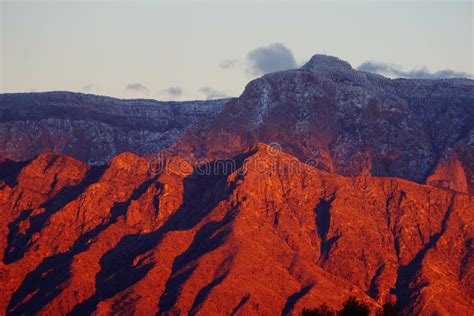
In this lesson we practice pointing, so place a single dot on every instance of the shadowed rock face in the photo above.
(267, 235)
(92, 128)
(348, 122)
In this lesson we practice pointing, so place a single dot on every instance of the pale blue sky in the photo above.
(103, 46)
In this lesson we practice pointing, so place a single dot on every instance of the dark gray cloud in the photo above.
(228, 63)
(397, 71)
(137, 87)
(212, 93)
(173, 92)
(271, 58)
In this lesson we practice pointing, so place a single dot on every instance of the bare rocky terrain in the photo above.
(350, 123)
(315, 185)
(92, 128)
(268, 236)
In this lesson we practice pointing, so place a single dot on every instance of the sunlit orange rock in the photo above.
(261, 234)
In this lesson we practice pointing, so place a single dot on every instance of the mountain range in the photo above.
(315, 185)
(92, 128)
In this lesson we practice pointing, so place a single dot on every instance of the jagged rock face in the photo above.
(345, 121)
(91, 128)
(450, 173)
(264, 235)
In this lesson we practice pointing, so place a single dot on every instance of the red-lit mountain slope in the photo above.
(260, 234)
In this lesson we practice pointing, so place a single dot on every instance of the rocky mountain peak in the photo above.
(340, 71)
(128, 162)
(346, 121)
(323, 63)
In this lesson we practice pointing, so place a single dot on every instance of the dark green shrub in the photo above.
(389, 310)
(322, 310)
(352, 307)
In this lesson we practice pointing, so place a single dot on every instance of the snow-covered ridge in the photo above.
(93, 128)
(357, 122)
(319, 63)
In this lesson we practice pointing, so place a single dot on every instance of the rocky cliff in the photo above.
(261, 233)
(349, 122)
(92, 128)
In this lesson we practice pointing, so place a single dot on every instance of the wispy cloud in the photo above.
(88, 88)
(228, 63)
(271, 58)
(173, 92)
(212, 93)
(397, 71)
(137, 89)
